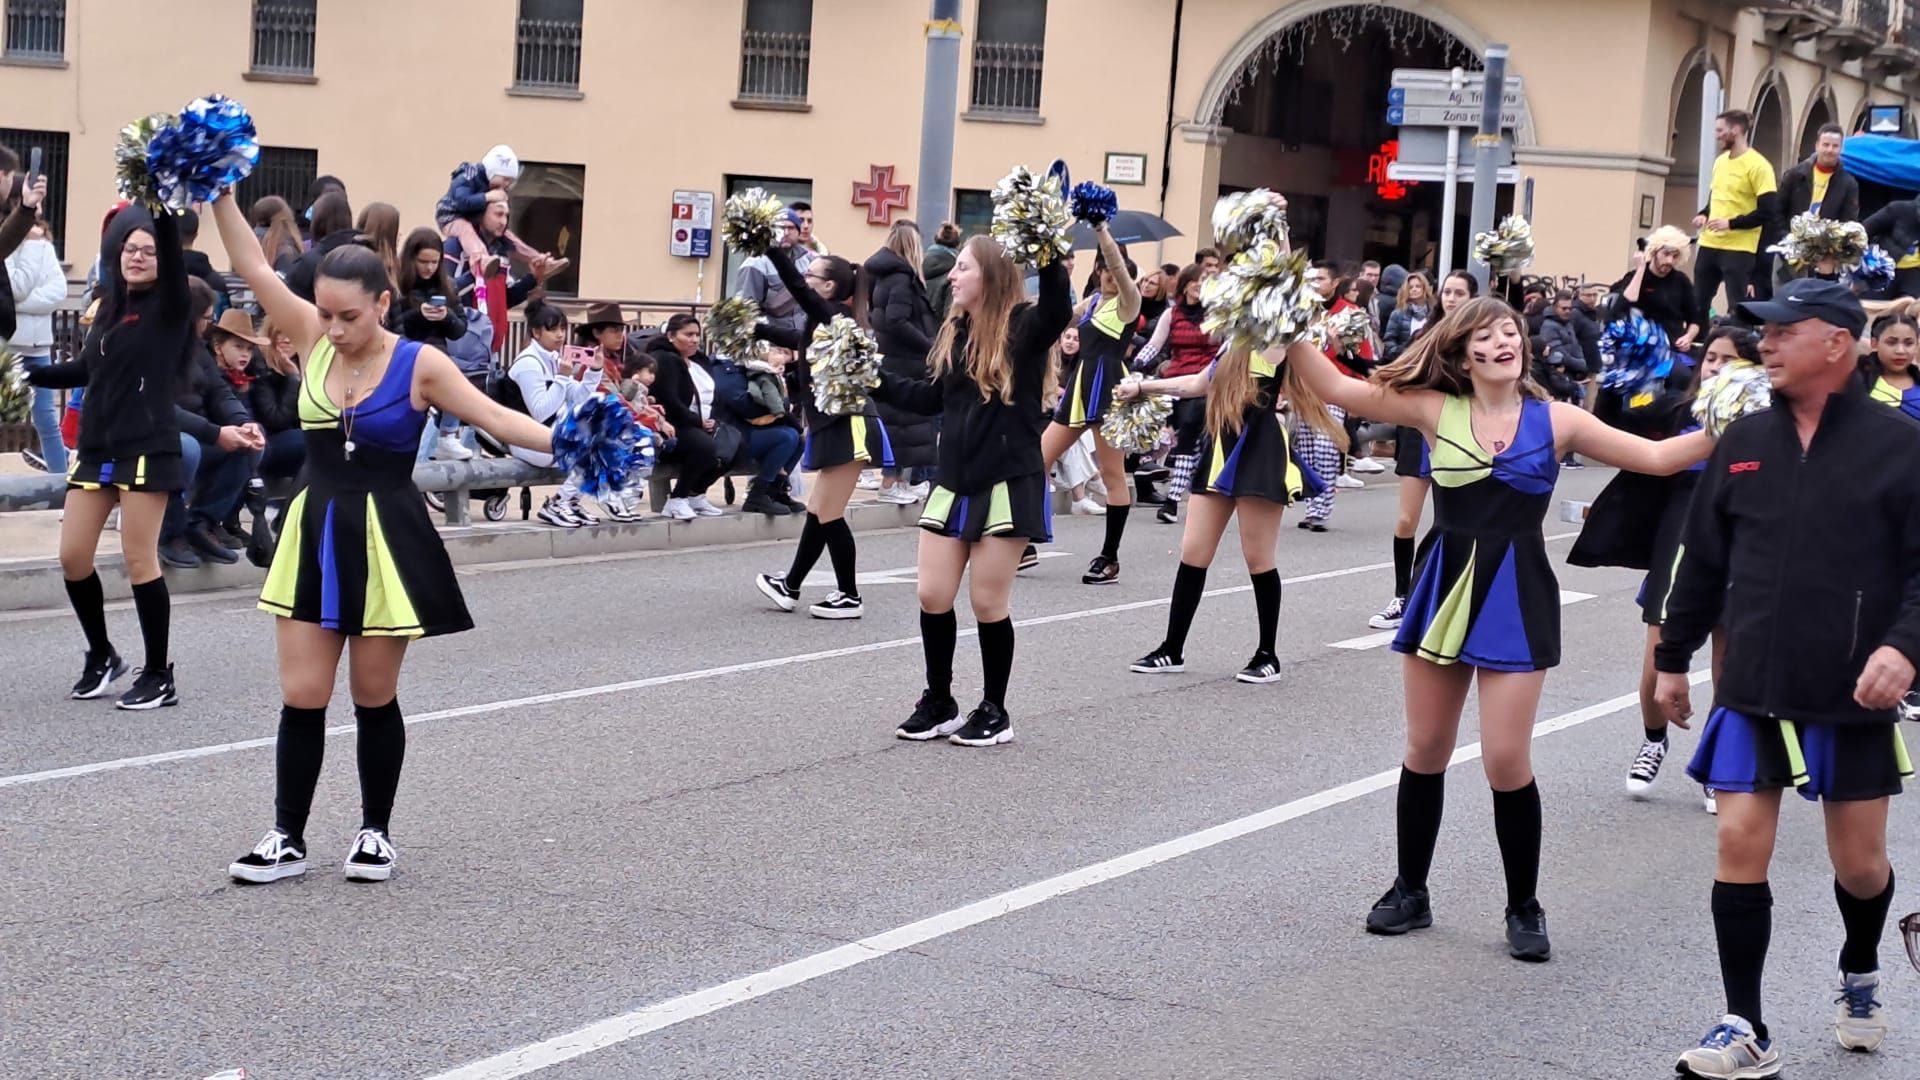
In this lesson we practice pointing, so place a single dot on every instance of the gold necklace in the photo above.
(1499, 445)
(353, 383)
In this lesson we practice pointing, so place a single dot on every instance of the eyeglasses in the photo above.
(140, 252)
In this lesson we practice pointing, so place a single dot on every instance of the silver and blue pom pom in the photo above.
(751, 221)
(131, 174)
(844, 361)
(1739, 389)
(1242, 220)
(1641, 357)
(596, 440)
(1506, 248)
(1875, 272)
(730, 326)
(1030, 218)
(1093, 203)
(1261, 299)
(1135, 426)
(1812, 240)
(209, 148)
(646, 452)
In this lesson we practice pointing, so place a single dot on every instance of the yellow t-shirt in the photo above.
(1821, 178)
(1909, 261)
(1738, 184)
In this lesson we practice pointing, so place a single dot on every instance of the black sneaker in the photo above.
(1159, 662)
(276, 856)
(1401, 910)
(1263, 668)
(1169, 513)
(1313, 525)
(986, 725)
(1572, 463)
(231, 537)
(761, 501)
(177, 554)
(1101, 571)
(372, 857)
(932, 718)
(837, 605)
(34, 460)
(1527, 933)
(1029, 559)
(774, 588)
(98, 676)
(208, 545)
(150, 690)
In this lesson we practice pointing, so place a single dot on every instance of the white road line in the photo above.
(488, 707)
(665, 1014)
(1385, 637)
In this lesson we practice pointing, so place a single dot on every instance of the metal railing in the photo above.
(1833, 9)
(283, 36)
(1874, 16)
(37, 29)
(1006, 77)
(547, 55)
(774, 66)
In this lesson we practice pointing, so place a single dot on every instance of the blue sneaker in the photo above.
(1861, 1021)
(1731, 1051)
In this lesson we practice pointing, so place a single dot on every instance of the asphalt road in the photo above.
(652, 828)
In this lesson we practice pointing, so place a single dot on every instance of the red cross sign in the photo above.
(881, 196)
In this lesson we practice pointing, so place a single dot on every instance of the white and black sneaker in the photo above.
(1646, 768)
(579, 512)
(276, 856)
(151, 690)
(34, 460)
(986, 725)
(102, 670)
(933, 718)
(1263, 668)
(1388, 618)
(372, 857)
(1159, 662)
(837, 605)
(557, 513)
(774, 588)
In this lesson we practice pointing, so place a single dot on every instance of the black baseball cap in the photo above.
(1809, 298)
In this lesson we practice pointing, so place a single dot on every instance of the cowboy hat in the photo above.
(236, 323)
(604, 315)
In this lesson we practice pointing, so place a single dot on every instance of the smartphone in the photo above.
(437, 301)
(579, 355)
(33, 164)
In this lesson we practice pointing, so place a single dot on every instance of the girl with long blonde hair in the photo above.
(1246, 468)
(990, 365)
(1485, 605)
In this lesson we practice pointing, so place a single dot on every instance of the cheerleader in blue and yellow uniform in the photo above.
(1246, 467)
(359, 567)
(1888, 369)
(1485, 602)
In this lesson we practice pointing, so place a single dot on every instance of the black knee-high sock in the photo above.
(1116, 525)
(1516, 825)
(1866, 920)
(1266, 600)
(89, 602)
(297, 754)
(938, 631)
(841, 549)
(1742, 927)
(1417, 818)
(1402, 566)
(1189, 582)
(996, 659)
(813, 540)
(383, 746)
(150, 601)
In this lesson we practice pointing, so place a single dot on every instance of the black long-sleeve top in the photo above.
(1809, 561)
(820, 311)
(412, 325)
(273, 398)
(204, 401)
(134, 357)
(984, 439)
(1666, 300)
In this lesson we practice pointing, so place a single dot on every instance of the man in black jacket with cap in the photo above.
(1812, 567)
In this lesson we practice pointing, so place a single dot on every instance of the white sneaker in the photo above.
(700, 506)
(1861, 1021)
(898, 495)
(1645, 771)
(1731, 1051)
(869, 481)
(1087, 507)
(1367, 465)
(555, 512)
(1711, 801)
(921, 490)
(1345, 480)
(679, 510)
(449, 449)
(579, 512)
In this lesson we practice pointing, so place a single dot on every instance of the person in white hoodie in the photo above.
(39, 285)
(540, 384)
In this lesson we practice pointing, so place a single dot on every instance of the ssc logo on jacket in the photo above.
(1738, 467)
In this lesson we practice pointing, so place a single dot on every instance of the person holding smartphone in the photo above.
(24, 194)
(424, 314)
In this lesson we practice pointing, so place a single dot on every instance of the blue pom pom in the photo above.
(1642, 356)
(212, 147)
(1876, 270)
(597, 439)
(1093, 203)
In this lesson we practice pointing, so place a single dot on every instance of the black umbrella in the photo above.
(1128, 227)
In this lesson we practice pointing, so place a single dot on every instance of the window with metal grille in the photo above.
(547, 45)
(1009, 48)
(283, 36)
(286, 171)
(53, 162)
(776, 49)
(549, 202)
(37, 29)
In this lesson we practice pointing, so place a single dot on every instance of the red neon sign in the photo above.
(1383, 185)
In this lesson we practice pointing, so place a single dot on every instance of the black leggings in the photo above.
(697, 458)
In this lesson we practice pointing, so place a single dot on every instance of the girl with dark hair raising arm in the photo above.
(990, 365)
(359, 567)
(1484, 601)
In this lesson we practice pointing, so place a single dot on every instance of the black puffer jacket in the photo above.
(903, 323)
(273, 398)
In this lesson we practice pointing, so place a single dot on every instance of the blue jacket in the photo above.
(732, 402)
(466, 193)
(472, 352)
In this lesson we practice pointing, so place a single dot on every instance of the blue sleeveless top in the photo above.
(383, 420)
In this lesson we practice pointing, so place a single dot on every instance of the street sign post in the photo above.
(1464, 116)
(1423, 103)
(692, 228)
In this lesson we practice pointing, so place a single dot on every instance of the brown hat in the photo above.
(236, 323)
(600, 315)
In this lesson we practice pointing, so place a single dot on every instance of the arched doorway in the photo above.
(1819, 115)
(1769, 134)
(1304, 98)
(1689, 111)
